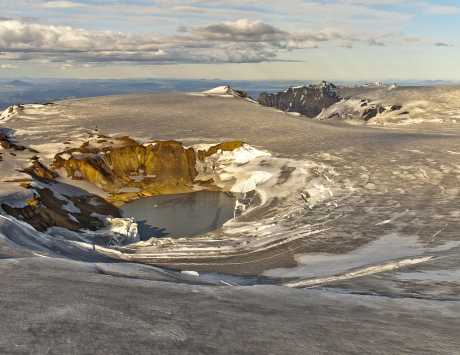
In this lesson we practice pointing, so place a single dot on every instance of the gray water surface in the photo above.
(181, 215)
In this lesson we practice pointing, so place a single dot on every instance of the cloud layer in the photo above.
(240, 41)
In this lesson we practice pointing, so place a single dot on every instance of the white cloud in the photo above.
(8, 66)
(240, 41)
(61, 4)
(66, 66)
(442, 44)
(242, 30)
(439, 9)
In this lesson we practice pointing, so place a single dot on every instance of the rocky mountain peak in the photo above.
(307, 100)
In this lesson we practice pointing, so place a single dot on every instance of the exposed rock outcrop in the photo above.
(39, 171)
(360, 109)
(46, 210)
(328, 102)
(306, 100)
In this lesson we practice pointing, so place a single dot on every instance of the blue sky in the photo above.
(238, 39)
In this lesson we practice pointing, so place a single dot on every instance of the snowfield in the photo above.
(335, 226)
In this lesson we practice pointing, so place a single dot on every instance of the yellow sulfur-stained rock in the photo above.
(128, 170)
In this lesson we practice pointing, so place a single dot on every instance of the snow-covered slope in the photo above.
(25, 109)
(397, 105)
(78, 206)
(220, 91)
(223, 91)
(10, 112)
(367, 217)
(363, 110)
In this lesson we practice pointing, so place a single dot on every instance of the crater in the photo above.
(181, 215)
(167, 204)
(161, 188)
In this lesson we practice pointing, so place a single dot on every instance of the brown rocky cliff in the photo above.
(129, 170)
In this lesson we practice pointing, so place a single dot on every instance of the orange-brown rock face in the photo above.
(129, 170)
(225, 146)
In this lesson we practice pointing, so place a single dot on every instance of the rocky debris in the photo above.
(306, 100)
(128, 170)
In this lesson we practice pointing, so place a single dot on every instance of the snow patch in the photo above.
(190, 273)
(237, 170)
(242, 155)
(251, 182)
(225, 91)
(125, 228)
(388, 250)
(220, 90)
(29, 109)
(375, 269)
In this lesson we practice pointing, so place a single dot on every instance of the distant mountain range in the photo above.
(19, 83)
(45, 90)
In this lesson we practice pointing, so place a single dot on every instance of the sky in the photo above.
(231, 39)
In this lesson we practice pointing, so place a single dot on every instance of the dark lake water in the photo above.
(181, 215)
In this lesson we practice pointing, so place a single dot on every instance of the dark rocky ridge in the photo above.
(307, 100)
(326, 101)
